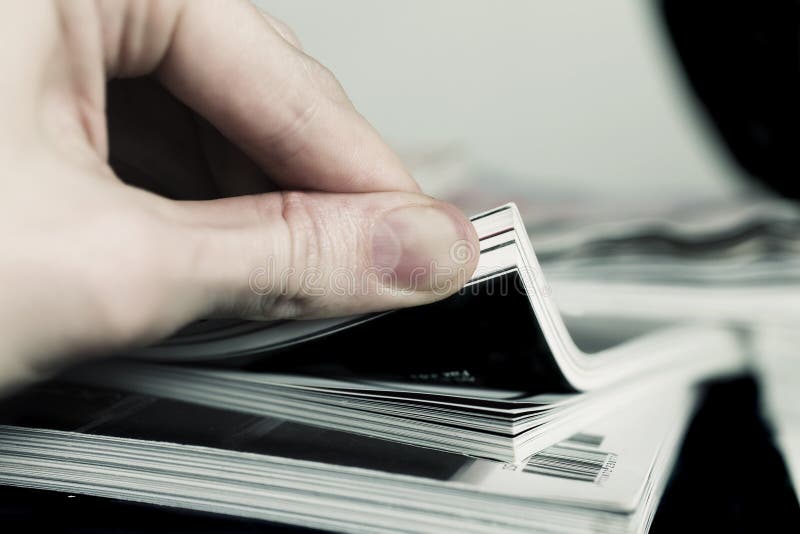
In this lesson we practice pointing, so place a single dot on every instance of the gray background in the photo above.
(569, 94)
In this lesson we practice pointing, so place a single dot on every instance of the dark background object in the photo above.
(729, 476)
(742, 59)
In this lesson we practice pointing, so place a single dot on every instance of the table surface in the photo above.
(729, 478)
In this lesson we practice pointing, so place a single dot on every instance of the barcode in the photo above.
(592, 440)
(569, 462)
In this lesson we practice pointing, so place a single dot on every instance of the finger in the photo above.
(285, 110)
(290, 255)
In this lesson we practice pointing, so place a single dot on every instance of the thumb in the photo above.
(305, 255)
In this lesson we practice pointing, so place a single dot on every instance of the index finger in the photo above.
(280, 106)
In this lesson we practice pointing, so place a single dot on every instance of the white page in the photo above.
(630, 443)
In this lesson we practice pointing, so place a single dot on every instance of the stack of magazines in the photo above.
(486, 412)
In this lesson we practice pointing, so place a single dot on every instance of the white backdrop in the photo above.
(562, 93)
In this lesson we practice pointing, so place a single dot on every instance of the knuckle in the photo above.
(290, 35)
(302, 224)
(283, 29)
(312, 241)
(305, 236)
(325, 81)
(290, 137)
(286, 32)
(128, 51)
(303, 116)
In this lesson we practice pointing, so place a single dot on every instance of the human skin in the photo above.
(92, 265)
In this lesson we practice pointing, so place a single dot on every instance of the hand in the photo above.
(210, 99)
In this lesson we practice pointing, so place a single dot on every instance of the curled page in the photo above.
(502, 330)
